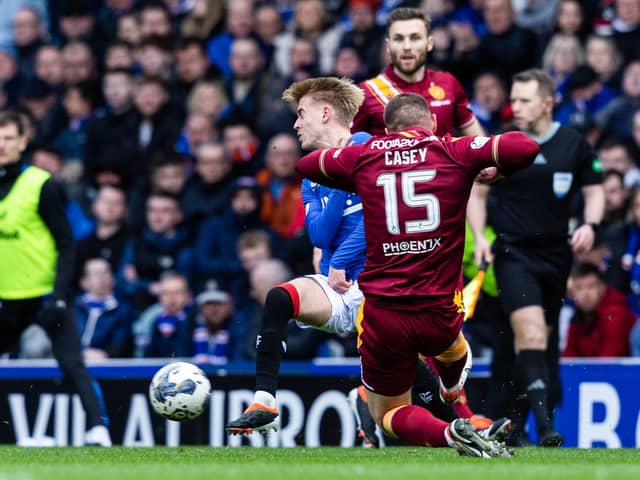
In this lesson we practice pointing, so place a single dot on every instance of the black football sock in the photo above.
(531, 374)
(271, 341)
(426, 393)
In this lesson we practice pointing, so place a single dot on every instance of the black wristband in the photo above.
(594, 226)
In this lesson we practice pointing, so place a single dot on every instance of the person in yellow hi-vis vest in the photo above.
(36, 257)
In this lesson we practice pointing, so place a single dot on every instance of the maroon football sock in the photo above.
(416, 426)
(462, 406)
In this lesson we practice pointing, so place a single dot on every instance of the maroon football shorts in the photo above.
(390, 341)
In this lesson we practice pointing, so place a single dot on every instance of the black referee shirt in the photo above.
(534, 203)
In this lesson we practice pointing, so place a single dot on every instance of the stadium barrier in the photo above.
(601, 406)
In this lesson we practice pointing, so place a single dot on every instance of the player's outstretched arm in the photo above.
(332, 167)
(513, 151)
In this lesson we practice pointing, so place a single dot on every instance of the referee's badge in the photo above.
(562, 183)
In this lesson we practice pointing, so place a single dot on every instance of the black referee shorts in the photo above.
(532, 275)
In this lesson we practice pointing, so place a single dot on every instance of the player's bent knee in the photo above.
(283, 297)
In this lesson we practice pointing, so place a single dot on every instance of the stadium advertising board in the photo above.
(600, 409)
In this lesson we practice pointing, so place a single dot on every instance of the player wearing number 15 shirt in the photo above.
(414, 188)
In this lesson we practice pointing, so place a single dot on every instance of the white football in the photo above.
(179, 391)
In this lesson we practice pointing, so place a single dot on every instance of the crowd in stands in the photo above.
(164, 120)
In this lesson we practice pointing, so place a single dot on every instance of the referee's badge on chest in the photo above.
(562, 183)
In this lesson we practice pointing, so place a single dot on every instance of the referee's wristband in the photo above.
(594, 226)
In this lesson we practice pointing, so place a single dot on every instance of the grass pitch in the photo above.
(202, 463)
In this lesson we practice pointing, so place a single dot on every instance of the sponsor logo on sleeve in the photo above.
(479, 142)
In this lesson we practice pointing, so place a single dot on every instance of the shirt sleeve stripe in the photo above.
(321, 163)
(494, 150)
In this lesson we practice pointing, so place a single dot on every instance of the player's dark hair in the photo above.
(546, 85)
(405, 110)
(403, 13)
(9, 117)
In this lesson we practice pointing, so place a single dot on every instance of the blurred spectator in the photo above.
(441, 55)
(29, 34)
(506, 47)
(215, 248)
(199, 129)
(616, 155)
(570, 19)
(561, 57)
(110, 151)
(48, 65)
(202, 20)
(68, 128)
(254, 246)
(37, 98)
(635, 132)
(8, 11)
(276, 115)
(10, 78)
(365, 36)
(167, 174)
(159, 123)
(612, 235)
(192, 66)
(268, 25)
(311, 21)
(242, 145)
(212, 337)
(470, 13)
(109, 14)
(166, 328)
(537, 16)
(438, 10)
(605, 59)
(155, 21)
(129, 29)
(349, 65)
(162, 246)
(77, 63)
(244, 85)
(78, 23)
(207, 192)
(616, 197)
(118, 56)
(282, 207)
(602, 321)
(238, 24)
(490, 102)
(616, 119)
(631, 257)
(155, 57)
(110, 234)
(208, 98)
(104, 321)
(49, 158)
(586, 95)
(626, 28)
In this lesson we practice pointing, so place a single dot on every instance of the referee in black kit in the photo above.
(36, 262)
(532, 253)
